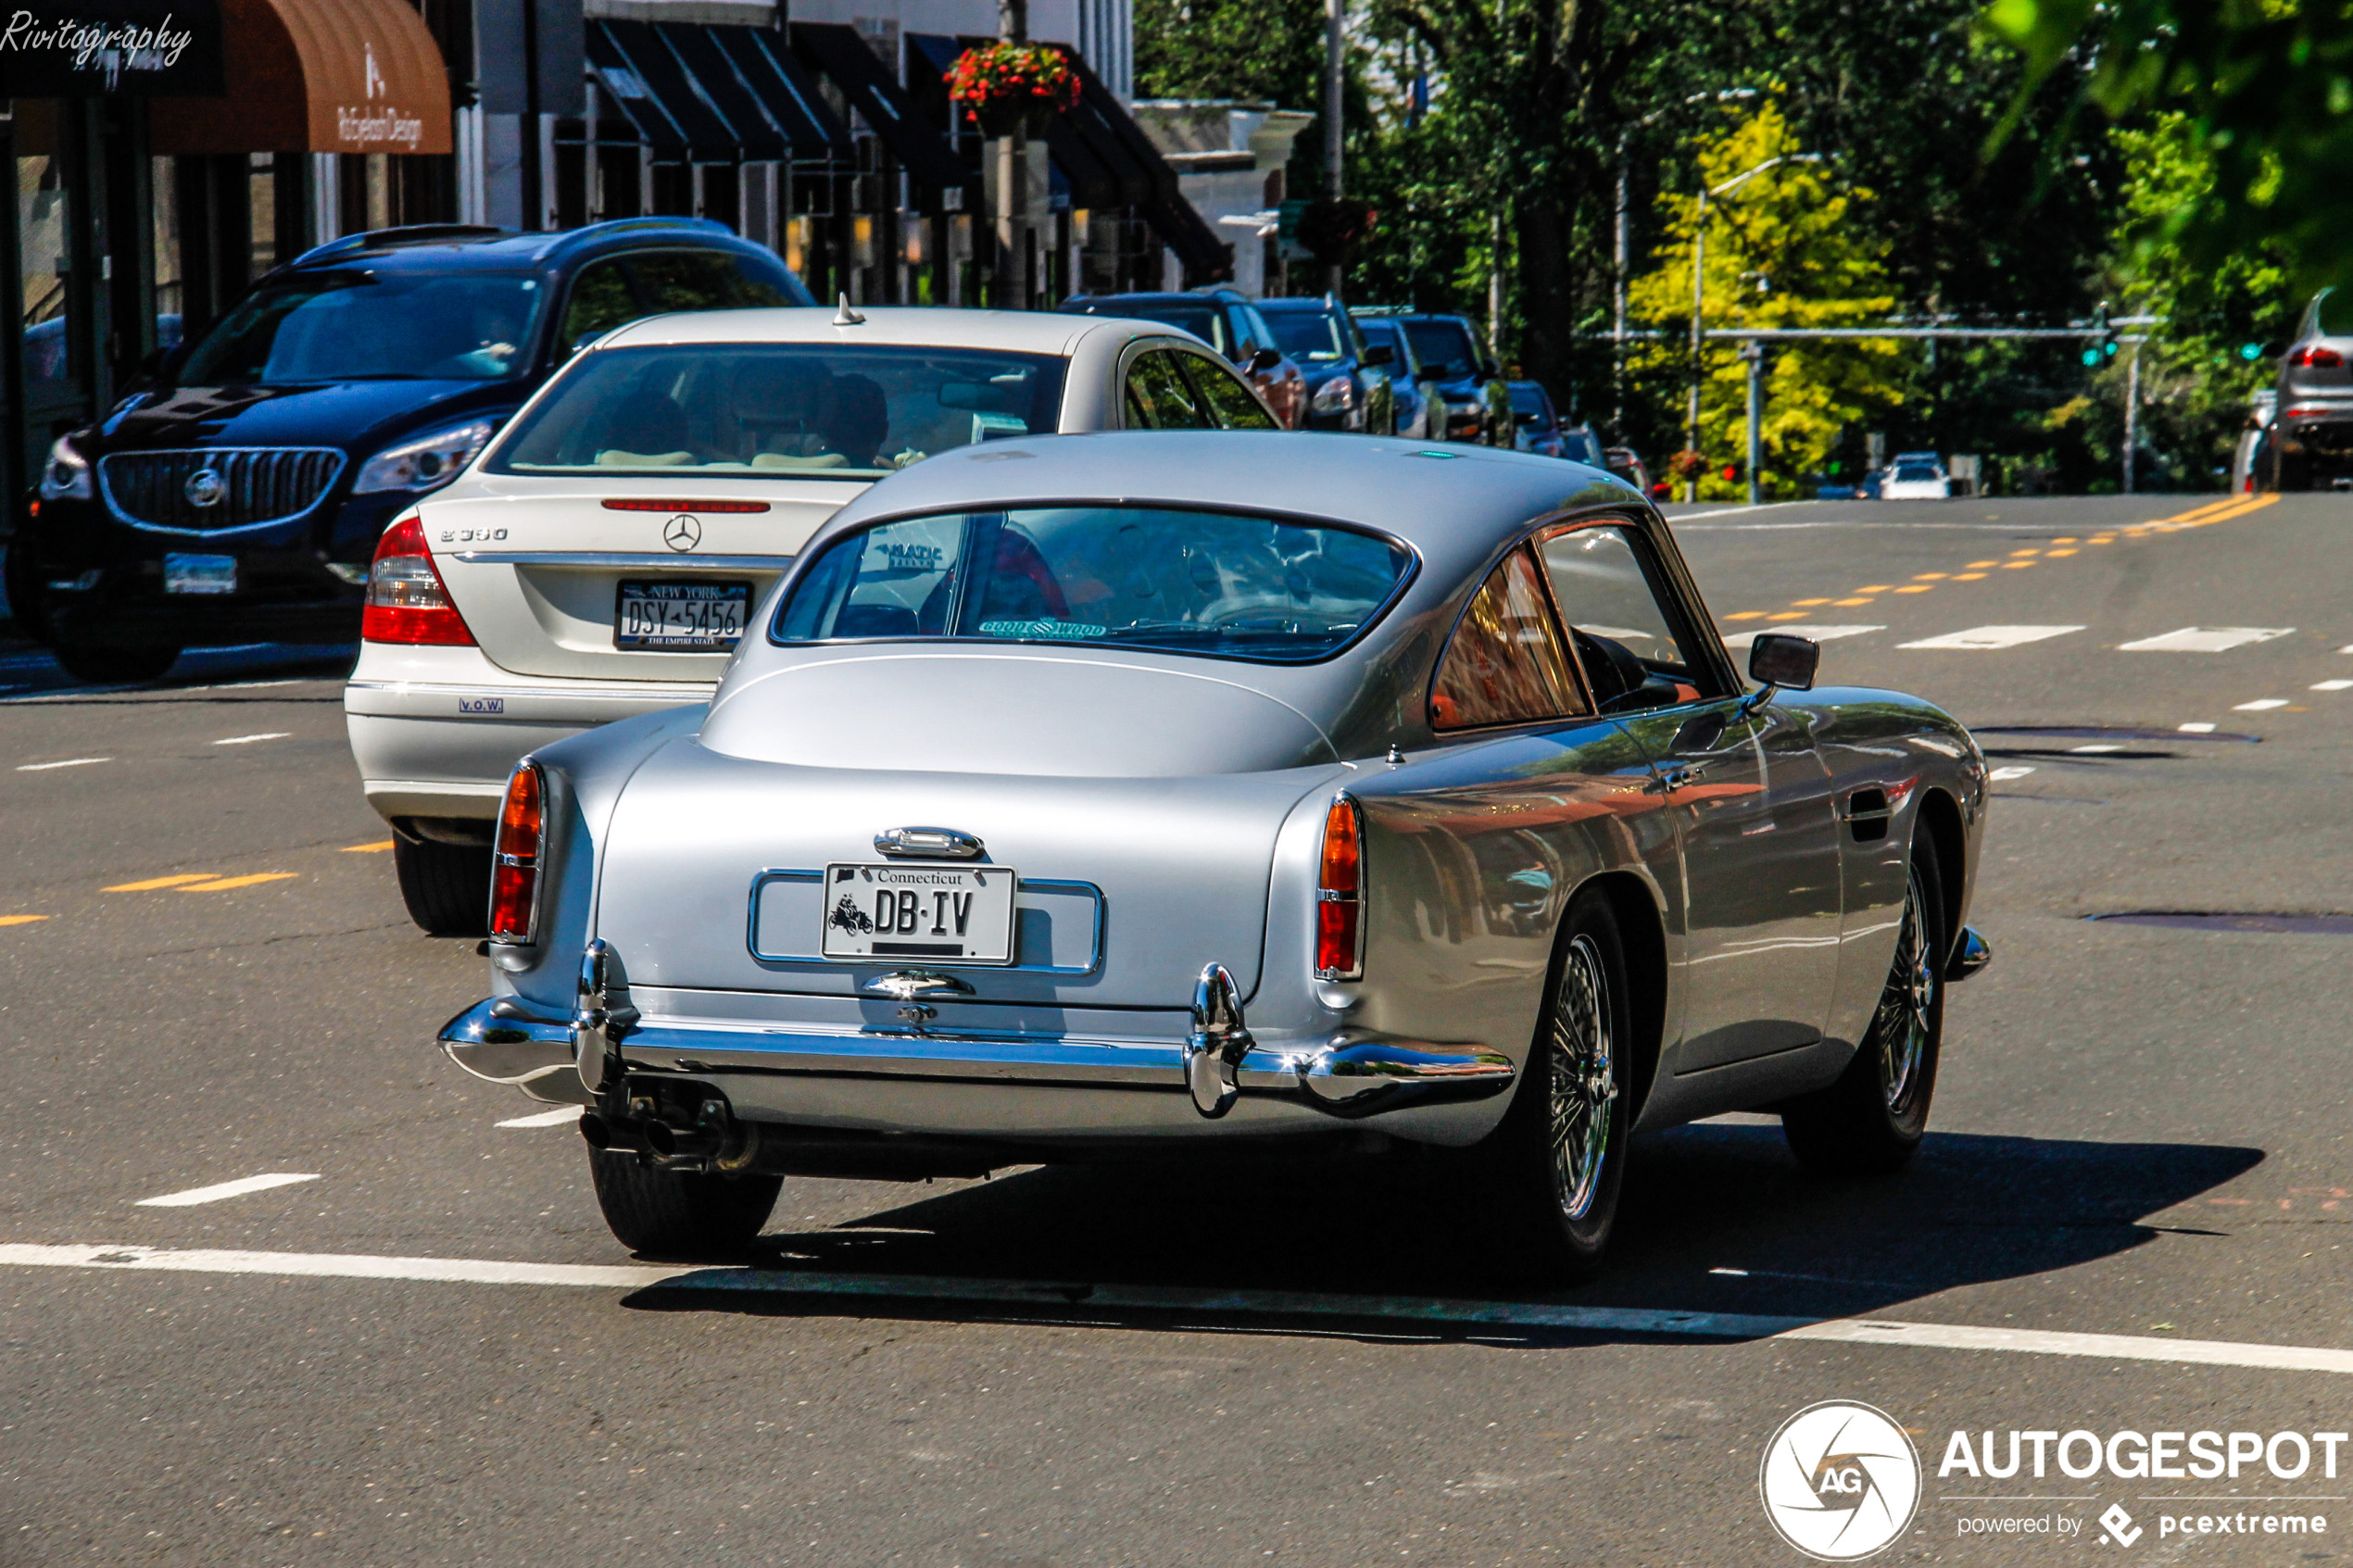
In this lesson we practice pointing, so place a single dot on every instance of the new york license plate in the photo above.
(689, 616)
(199, 575)
(947, 914)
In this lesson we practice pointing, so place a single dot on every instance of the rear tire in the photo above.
(1553, 1172)
(447, 886)
(1871, 1122)
(678, 1214)
(115, 666)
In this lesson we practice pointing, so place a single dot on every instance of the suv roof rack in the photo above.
(409, 234)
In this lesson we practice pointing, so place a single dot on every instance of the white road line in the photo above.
(1992, 637)
(2092, 751)
(68, 762)
(2331, 687)
(2205, 639)
(2004, 775)
(560, 1116)
(245, 740)
(220, 1190)
(1061, 1295)
(2196, 729)
(2259, 705)
(1819, 633)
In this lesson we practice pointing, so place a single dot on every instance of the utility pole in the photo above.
(1013, 181)
(1335, 31)
(1699, 291)
(1754, 353)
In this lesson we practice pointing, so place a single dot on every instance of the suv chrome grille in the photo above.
(250, 484)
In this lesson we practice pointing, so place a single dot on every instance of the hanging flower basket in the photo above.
(1007, 86)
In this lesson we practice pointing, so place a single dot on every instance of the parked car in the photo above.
(1627, 465)
(1413, 393)
(601, 559)
(1473, 404)
(238, 494)
(1536, 427)
(1348, 382)
(1915, 476)
(1228, 322)
(2311, 442)
(1035, 774)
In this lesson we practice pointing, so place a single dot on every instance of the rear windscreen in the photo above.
(1219, 584)
(779, 410)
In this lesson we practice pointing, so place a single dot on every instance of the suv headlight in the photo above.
(1336, 396)
(427, 462)
(66, 475)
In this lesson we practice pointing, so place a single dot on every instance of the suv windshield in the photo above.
(1182, 581)
(1206, 322)
(1312, 337)
(356, 325)
(1444, 348)
(786, 410)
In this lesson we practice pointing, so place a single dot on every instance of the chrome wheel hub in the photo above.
(1582, 1080)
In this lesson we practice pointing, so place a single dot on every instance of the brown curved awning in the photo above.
(316, 76)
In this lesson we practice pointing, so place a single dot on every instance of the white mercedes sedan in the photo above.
(601, 557)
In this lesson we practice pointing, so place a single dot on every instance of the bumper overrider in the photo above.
(649, 1082)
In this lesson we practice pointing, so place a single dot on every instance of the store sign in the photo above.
(92, 48)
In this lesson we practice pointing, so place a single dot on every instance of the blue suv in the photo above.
(236, 494)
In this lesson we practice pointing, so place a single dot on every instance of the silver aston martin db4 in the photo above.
(1072, 795)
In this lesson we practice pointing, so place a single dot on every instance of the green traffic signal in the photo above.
(2250, 351)
(2091, 356)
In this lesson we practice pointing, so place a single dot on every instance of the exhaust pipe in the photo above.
(699, 1136)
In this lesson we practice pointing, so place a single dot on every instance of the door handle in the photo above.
(1670, 779)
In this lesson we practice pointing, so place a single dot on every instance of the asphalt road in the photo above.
(2140, 1131)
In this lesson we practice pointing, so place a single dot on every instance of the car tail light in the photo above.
(407, 601)
(1339, 894)
(514, 857)
(2316, 357)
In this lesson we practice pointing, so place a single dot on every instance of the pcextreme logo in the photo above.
(1840, 1481)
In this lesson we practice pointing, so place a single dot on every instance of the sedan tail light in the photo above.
(1339, 894)
(2316, 357)
(514, 858)
(407, 601)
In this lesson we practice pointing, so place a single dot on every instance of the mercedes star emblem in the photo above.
(681, 532)
(203, 488)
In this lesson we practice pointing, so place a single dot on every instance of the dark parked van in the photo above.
(236, 494)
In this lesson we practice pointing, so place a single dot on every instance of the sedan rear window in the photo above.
(1219, 584)
(779, 410)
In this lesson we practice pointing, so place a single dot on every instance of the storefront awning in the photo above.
(316, 76)
(661, 98)
(1112, 131)
(785, 89)
(842, 55)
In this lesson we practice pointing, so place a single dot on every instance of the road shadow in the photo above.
(1717, 1218)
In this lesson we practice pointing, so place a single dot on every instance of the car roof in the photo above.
(1014, 331)
(476, 247)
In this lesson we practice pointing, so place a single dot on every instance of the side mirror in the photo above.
(1378, 354)
(1528, 421)
(1776, 659)
(1265, 359)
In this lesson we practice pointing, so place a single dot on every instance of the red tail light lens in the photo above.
(514, 864)
(2316, 357)
(407, 602)
(1339, 894)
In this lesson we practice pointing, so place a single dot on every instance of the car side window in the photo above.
(1628, 635)
(699, 280)
(1158, 390)
(602, 300)
(1506, 664)
(1235, 405)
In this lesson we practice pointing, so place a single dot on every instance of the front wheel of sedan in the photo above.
(677, 1213)
(1871, 1120)
(1553, 1169)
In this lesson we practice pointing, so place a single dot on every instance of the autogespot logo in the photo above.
(1840, 1481)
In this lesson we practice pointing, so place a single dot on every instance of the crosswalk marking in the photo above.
(2205, 639)
(2332, 685)
(1992, 637)
(220, 1190)
(2260, 703)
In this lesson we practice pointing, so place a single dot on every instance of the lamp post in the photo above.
(1012, 183)
(1699, 290)
(1623, 248)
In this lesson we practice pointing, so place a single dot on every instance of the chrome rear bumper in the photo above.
(961, 1081)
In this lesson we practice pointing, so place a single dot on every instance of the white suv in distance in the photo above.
(601, 557)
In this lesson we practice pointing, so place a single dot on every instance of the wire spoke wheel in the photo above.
(1583, 1082)
(1905, 1022)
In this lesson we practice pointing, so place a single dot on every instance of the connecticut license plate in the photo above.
(680, 615)
(949, 915)
(199, 575)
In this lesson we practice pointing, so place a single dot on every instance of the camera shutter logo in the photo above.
(1840, 1481)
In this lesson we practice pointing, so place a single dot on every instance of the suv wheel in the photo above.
(117, 666)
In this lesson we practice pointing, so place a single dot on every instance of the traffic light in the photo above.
(2101, 349)
(2250, 351)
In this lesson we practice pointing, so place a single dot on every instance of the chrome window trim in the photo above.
(116, 509)
(779, 873)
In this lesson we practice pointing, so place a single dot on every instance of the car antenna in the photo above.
(845, 317)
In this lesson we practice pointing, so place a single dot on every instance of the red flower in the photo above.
(1007, 75)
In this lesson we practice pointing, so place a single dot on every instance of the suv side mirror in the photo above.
(1776, 659)
(1265, 359)
(1378, 354)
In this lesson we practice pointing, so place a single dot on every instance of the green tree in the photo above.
(1784, 249)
